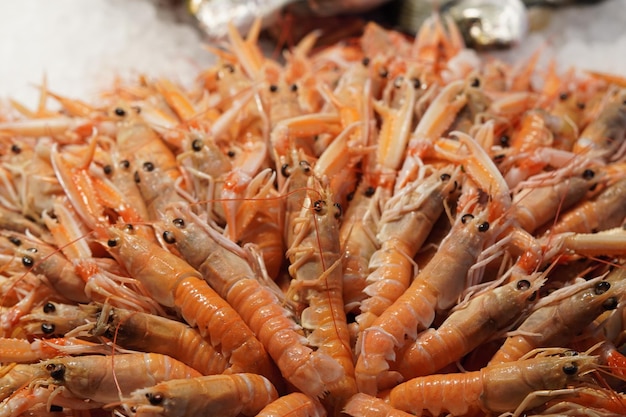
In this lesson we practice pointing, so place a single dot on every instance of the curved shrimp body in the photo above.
(317, 282)
(605, 211)
(535, 206)
(467, 328)
(604, 136)
(259, 306)
(436, 287)
(295, 404)
(493, 389)
(220, 395)
(97, 378)
(407, 219)
(174, 283)
(562, 315)
(363, 405)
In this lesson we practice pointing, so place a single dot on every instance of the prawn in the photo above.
(562, 315)
(224, 266)
(174, 283)
(223, 395)
(494, 389)
(295, 404)
(23, 351)
(466, 328)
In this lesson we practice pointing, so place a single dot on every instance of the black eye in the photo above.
(483, 227)
(120, 112)
(49, 308)
(15, 240)
(444, 177)
(338, 211)
(57, 371)
(293, 88)
(601, 287)
(570, 369)
(523, 285)
(155, 399)
(231, 153)
(129, 228)
(610, 303)
(466, 218)
(168, 237)
(416, 83)
(306, 167)
(107, 169)
(16, 149)
(47, 328)
(125, 164)
(588, 174)
(285, 170)
(148, 166)
(365, 61)
(196, 145)
(563, 96)
(178, 222)
(475, 82)
(112, 242)
(320, 207)
(27, 261)
(369, 191)
(273, 88)
(504, 140)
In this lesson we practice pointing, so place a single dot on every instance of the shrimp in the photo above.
(13, 377)
(315, 265)
(98, 378)
(436, 287)
(363, 405)
(562, 315)
(222, 395)
(295, 404)
(174, 283)
(466, 328)
(406, 221)
(495, 389)
(23, 351)
(225, 268)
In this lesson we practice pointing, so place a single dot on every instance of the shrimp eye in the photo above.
(365, 61)
(196, 145)
(285, 170)
(320, 207)
(581, 105)
(444, 177)
(129, 228)
(369, 191)
(148, 166)
(416, 82)
(588, 174)
(155, 399)
(602, 287)
(49, 308)
(483, 227)
(107, 169)
(523, 284)
(273, 88)
(231, 153)
(475, 82)
(27, 261)
(32, 250)
(339, 210)
(306, 167)
(178, 222)
(504, 140)
(112, 242)
(168, 237)
(383, 73)
(570, 369)
(16, 149)
(466, 217)
(610, 303)
(57, 371)
(125, 164)
(47, 328)
(120, 112)
(563, 96)
(293, 88)
(15, 240)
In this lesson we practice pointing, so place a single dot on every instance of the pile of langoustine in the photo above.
(382, 227)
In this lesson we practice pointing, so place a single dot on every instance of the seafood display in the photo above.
(386, 226)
